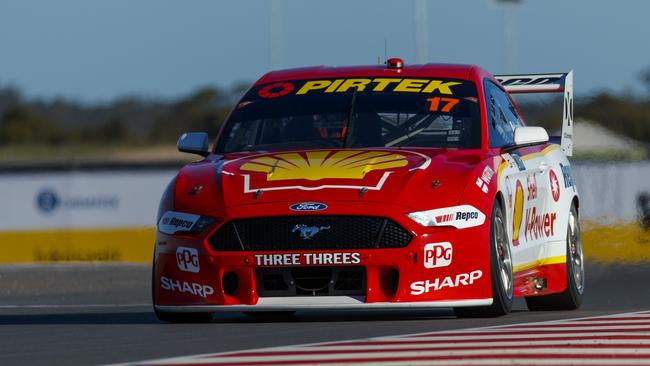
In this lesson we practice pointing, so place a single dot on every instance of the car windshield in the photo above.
(355, 112)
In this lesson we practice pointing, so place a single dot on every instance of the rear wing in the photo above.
(547, 83)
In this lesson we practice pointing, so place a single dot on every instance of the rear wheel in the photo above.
(571, 297)
(500, 271)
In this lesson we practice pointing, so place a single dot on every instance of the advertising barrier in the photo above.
(108, 213)
(82, 214)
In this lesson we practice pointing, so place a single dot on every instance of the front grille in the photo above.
(311, 281)
(283, 233)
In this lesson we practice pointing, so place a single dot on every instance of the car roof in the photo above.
(452, 71)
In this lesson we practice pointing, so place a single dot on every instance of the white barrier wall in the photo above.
(114, 199)
(80, 200)
(609, 191)
(109, 215)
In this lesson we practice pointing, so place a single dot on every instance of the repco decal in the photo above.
(461, 217)
(173, 221)
(441, 219)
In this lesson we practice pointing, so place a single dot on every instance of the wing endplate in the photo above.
(547, 83)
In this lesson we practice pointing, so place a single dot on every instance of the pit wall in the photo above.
(96, 213)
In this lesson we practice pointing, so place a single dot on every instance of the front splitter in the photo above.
(321, 302)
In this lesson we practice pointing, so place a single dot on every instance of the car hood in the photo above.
(410, 178)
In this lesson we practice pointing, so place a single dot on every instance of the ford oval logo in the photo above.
(308, 206)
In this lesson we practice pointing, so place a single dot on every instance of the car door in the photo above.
(523, 183)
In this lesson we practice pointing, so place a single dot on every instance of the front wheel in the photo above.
(571, 297)
(500, 271)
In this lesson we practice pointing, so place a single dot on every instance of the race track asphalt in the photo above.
(89, 314)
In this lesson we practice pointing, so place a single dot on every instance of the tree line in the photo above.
(135, 120)
(129, 120)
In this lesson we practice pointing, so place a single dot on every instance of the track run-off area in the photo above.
(97, 314)
(604, 340)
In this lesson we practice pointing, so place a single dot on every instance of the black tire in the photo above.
(175, 317)
(571, 297)
(500, 271)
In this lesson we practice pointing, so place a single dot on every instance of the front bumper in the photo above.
(394, 277)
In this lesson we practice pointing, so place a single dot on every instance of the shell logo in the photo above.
(555, 185)
(518, 213)
(316, 165)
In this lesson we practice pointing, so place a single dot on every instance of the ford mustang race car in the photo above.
(387, 186)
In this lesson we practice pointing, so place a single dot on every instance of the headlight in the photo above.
(460, 217)
(175, 222)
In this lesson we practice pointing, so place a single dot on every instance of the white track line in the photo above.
(491, 335)
(561, 327)
(595, 322)
(560, 343)
(327, 348)
(315, 356)
(499, 362)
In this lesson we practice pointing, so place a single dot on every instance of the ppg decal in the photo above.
(188, 259)
(437, 255)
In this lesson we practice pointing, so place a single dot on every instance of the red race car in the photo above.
(386, 186)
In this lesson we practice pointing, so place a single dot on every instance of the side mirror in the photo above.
(194, 143)
(530, 135)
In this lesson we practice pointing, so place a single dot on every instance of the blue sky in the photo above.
(98, 50)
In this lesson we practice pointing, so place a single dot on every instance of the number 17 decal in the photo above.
(448, 104)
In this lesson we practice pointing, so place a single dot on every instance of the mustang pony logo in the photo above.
(316, 165)
(308, 232)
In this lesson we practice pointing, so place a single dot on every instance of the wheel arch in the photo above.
(576, 201)
(501, 199)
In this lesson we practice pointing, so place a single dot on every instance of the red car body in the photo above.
(411, 265)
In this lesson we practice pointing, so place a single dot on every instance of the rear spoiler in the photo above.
(547, 83)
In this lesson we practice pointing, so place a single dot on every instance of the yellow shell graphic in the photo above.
(518, 213)
(315, 165)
